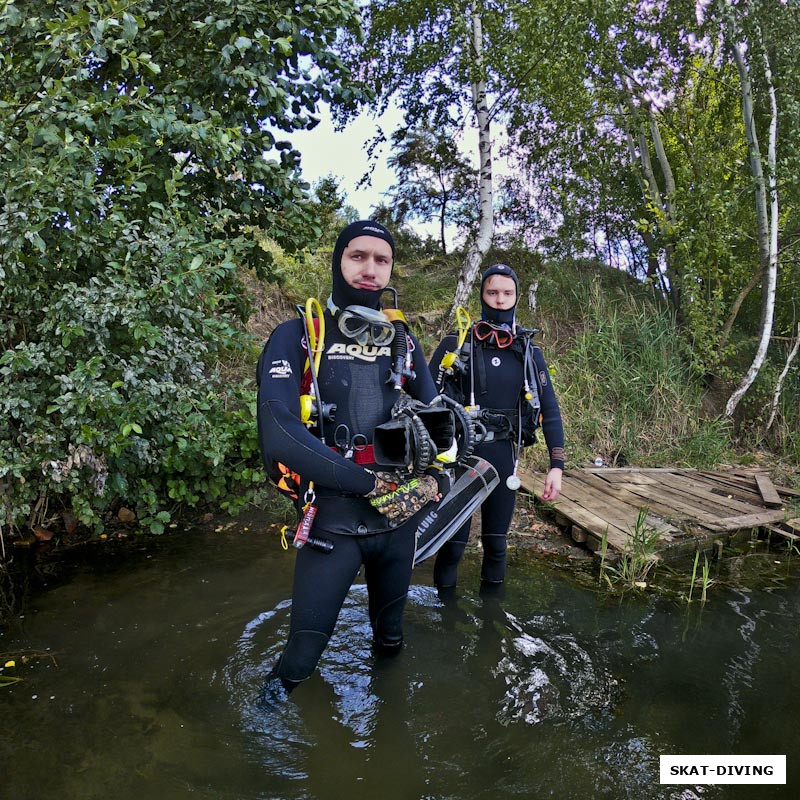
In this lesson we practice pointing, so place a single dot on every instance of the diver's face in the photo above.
(367, 263)
(500, 292)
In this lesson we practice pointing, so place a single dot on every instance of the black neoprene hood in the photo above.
(505, 317)
(343, 294)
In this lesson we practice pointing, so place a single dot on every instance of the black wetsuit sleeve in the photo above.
(422, 386)
(282, 435)
(552, 427)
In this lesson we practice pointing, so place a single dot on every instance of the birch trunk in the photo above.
(737, 304)
(779, 384)
(646, 177)
(766, 215)
(483, 241)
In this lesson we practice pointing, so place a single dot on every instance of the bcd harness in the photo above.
(417, 436)
(493, 423)
(314, 411)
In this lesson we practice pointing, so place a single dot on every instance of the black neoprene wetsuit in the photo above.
(354, 378)
(498, 385)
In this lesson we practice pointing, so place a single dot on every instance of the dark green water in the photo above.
(551, 690)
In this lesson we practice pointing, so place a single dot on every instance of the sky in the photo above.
(342, 153)
(326, 151)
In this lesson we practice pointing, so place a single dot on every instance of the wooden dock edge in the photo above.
(588, 529)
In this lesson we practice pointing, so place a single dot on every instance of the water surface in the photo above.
(156, 658)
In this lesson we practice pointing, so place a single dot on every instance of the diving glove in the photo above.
(400, 501)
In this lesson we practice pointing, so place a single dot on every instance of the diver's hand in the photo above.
(400, 501)
(552, 484)
(385, 482)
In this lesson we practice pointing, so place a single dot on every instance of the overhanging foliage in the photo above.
(139, 152)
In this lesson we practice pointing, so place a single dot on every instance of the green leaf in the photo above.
(129, 26)
(284, 45)
(36, 240)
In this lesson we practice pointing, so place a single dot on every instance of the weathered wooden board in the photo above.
(680, 504)
(743, 521)
(792, 537)
(731, 490)
(747, 479)
(690, 509)
(697, 495)
(588, 520)
(767, 490)
(627, 500)
(625, 476)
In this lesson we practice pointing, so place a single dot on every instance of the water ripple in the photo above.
(551, 676)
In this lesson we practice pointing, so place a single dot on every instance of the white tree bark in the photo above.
(483, 241)
(666, 167)
(779, 385)
(646, 177)
(766, 213)
(532, 289)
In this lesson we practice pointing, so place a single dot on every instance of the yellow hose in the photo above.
(464, 324)
(313, 307)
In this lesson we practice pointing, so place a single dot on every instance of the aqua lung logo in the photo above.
(280, 369)
(363, 352)
(376, 230)
(426, 523)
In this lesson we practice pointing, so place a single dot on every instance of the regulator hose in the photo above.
(466, 433)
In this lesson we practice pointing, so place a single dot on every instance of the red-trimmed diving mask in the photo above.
(500, 335)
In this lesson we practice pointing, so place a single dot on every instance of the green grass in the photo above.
(637, 561)
(627, 391)
(705, 580)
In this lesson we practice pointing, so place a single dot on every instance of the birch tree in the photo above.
(479, 246)
(439, 64)
(747, 55)
(776, 396)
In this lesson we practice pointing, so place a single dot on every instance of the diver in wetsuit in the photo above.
(491, 374)
(351, 517)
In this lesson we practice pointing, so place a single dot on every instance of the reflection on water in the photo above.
(541, 688)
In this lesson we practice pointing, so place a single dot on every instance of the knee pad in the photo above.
(301, 655)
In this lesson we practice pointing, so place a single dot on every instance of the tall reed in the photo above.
(627, 390)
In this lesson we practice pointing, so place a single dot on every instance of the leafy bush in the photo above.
(117, 371)
(136, 169)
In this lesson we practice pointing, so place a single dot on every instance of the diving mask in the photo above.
(365, 325)
(501, 335)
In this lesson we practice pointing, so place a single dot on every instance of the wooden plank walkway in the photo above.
(690, 509)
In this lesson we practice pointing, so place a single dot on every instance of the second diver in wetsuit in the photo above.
(498, 360)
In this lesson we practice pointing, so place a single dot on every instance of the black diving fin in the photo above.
(474, 481)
